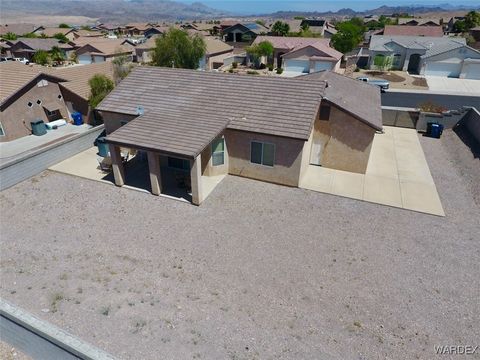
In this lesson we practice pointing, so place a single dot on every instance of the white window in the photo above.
(262, 153)
(42, 83)
(218, 152)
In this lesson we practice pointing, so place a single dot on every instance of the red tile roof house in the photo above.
(303, 55)
(208, 124)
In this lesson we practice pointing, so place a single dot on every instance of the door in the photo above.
(299, 66)
(316, 151)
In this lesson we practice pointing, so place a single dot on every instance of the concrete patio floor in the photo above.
(453, 85)
(86, 165)
(397, 175)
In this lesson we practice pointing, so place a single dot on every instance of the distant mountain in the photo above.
(114, 10)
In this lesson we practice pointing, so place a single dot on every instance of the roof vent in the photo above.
(326, 84)
(140, 110)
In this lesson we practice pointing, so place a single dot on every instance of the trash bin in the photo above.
(77, 118)
(38, 127)
(434, 130)
(103, 149)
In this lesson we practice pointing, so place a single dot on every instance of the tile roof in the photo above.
(431, 45)
(103, 45)
(18, 29)
(15, 75)
(356, 97)
(269, 105)
(50, 31)
(290, 43)
(40, 44)
(215, 46)
(420, 21)
(436, 31)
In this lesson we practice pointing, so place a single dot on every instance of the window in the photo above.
(29, 104)
(262, 153)
(324, 112)
(59, 97)
(2, 132)
(39, 102)
(42, 83)
(218, 152)
(51, 113)
(180, 164)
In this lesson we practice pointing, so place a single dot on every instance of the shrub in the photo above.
(430, 106)
(234, 65)
(279, 71)
(252, 72)
(270, 67)
(230, 70)
(356, 70)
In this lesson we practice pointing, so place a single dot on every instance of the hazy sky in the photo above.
(267, 6)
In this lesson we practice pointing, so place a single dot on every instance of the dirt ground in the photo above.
(259, 271)
(397, 79)
(8, 352)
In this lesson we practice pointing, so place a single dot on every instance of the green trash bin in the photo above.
(38, 127)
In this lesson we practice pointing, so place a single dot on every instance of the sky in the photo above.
(269, 6)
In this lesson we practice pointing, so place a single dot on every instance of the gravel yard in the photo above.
(259, 271)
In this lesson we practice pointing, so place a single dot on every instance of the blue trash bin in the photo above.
(38, 127)
(77, 118)
(103, 149)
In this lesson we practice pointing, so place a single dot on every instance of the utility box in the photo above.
(38, 127)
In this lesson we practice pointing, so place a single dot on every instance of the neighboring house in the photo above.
(51, 31)
(138, 29)
(111, 29)
(449, 26)
(329, 31)
(25, 96)
(319, 26)
(143, 51)
(432, 56)
(475, 33)
(215, 54)
(419, 22)
(83, 33)
(95, 50)
(153, 31)
(204, 124)
(27, 47)
(303, 55)
(19, 29)
(243, 32)
(408, 30)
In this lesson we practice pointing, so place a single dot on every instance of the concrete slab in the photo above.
(452, 85)
(397, 175)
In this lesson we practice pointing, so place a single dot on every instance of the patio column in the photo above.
(155, 175)
(196, 179)
(117, 165)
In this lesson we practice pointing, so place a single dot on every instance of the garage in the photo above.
(445, 69)
(84, 59)
(471, 69)
(323, 65)
(300, 66)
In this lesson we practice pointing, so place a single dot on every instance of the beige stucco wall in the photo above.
(346, 141)
(218, 59)
(113, 121)
(288, 157)
(16, 117)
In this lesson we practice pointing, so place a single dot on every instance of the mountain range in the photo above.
(154, 10)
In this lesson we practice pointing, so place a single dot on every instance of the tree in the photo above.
(176, 48)
(100, 86)
(64, 26)
(472, 19)
(383, 62)
(41, 57)
(264, 48)
(460, 26)
(10, 36)
(30, 35)
(57, 55)
(305, 27)
(260, 22)
(121, 68)
(280, 29)
(61, 37)
(349, 35)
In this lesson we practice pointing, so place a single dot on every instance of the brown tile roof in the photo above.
(88, 33)
(323, 51)
(413, 30)
(39, 44)
(103, 46)
(291, 44)
(215, 46)
(356, 97)
(15, 75)
(18, 29)
(50, 31)
(179, 103)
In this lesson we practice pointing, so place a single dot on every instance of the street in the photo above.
(414, 98)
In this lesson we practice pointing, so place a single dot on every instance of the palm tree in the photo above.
(56, 54)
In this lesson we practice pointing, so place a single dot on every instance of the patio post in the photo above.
(155, 175)
(196, 179)
(117, 165)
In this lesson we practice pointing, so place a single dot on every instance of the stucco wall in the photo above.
(288, 157)
(207, 168)
(345, 141)
(113, 121)
(16, 118)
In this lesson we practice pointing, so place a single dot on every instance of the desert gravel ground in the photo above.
(8, 352)
(259, 271)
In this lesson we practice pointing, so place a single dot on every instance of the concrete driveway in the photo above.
(397, 175)
(452, 85)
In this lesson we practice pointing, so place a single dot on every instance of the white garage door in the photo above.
(84, 59)
(444, 69)
(471, 71)
(300, 66)
(323, 65)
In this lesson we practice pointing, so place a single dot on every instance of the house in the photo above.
(138, 29)
(419, 22)
(425, 55)
(243, 32)
(27, 47)
(94, 50)
(475, 34)
(25, 96)
(84, 33)
(153, 31)
(52, 31)
(329, 31)
(315, 25)
(19, 29)
(409, 30)
(302, 55)
(215, 53)
(195, 125)
(449, 27)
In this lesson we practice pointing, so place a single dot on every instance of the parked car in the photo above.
(382, 84)
(22, 60)
(6, 58)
